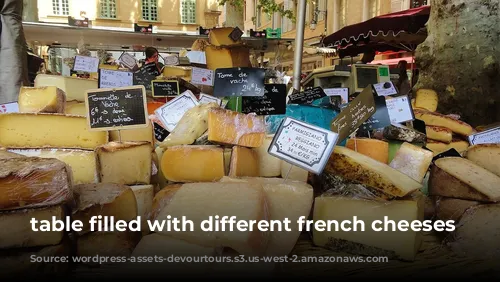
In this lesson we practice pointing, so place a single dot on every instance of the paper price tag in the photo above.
(491, 136)
(399, 109)
(205, 99)
(342, 92)
(202, 76)
(9, 108)
(171, 113)
(86, 64)
(385, 88)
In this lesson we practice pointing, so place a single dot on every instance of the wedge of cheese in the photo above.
(74, 88)
(292, 172)
(227, 160)
(439, 147)
(452, 209)
(82, 162)
(436, 119)
(439, 133)
(161, 245)
(117, 244)
(279, 195)
(394, 244)
(76, 109)
(48, 130)
(244, 162)
(269, 166)
(192, 125)
(163, 197)
(193, 163)
(161, 180)
(355, 166)
(104, 199)
(245, 201)
(426, 99)
(177, 71)
(460, 178)
(402, 133)
(34, 182)
(16, 230)
(412, 161)
(227, 57)
(373, 148)
(486, 156)
(144, 195)
(128, 163)
(48, 99)
(134, 135)
(220, 37)
(233, 128)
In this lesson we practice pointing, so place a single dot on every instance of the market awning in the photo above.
(392, 62)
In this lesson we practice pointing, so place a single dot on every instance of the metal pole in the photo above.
(299, 44)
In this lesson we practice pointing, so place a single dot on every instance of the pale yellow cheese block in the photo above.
(48, 99)
(357, 167)
(395, 244)
(48, 131)
(161, 179)
(436, 119)
(227, 57)
(439, 147)
(193, 163)
(439, 133)
(134, 135)
(486, 156)
(198, 201)
(16, 231)
(128, 163)
(233, 128)
(220, 37)
(82, 162)
(76, 109)
(227, 160)
(144, 195)
(244, 162)
(74, 88)
(177, 71)
(426, 99)
(293, 172)
(412, 161)
(269, 166)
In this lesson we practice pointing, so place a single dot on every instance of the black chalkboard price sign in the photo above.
(116, 108)
(239, 82)
(164, 88)
(272, 103)
(307, 96)
(145, 75)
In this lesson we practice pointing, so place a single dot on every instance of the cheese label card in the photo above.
(385, 88)
(128, 61)
(236, 34)
(399, 109)
(116, 108)
(302, 144)
(272, 103)
(115, 78)
(202, 76)
(171, 113)
(172, 60)
(145, 75)
(86, 64)
(205, 99)
(307, 96)
(380, 118)
(239, 82)
(160, 132)
(491, 136)
(164, 88)
(9, 108)
(342, 92)
(354, 114)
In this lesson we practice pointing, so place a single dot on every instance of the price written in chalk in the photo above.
(239, 82)
(307, 96)
(171, 113)
(491, 136)
(164, 88)
(116, 108)
(303, 145)
(272, 103)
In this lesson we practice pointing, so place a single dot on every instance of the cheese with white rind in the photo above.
(402, 133)
(412, 161)
(233, 128)
(16, 231)
(460, 178)
(106, 199)
(436, 119)
(486, 156)
(354, 166)
(191, 126)
(48, 99)
(452, 209)
(198, 201)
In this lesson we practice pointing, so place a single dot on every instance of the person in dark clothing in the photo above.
(152, 58)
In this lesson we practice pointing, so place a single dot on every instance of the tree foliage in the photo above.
(268, 7)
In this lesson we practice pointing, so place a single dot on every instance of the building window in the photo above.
(107, 9)
(322, 9)
(286, 23)
(258, 19)
(60, 7)
(373, 10)
(188, 11)
(418, 3)
(150, 10)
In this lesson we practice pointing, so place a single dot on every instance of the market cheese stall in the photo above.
(213, 159)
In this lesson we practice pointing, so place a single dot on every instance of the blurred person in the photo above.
(403, 83)
(152, 58)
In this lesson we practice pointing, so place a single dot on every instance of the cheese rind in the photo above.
(16, 231)
(227, 160)
(436, 119)
(104, 199)
(82, 162)
(193, 163)
(402, 133)
(354, 166)
(192, 125)
(426, 99)
(144, 195)
(223, 57)
(107, 244)
(74, 88)
(373, 148)
(269, 166)
(18, 130)
(412, 161)
(133, 135)
(232, 128)
(439, 133)
(33, 182)
(452, 209)
(486, 156)
(220, 37)
(198, 201)
(464, 180)
(439, 147)
(244, 162)
(48, 99)
(128, 163)
(395, 244)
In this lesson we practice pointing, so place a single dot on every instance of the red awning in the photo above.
(392, 62)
